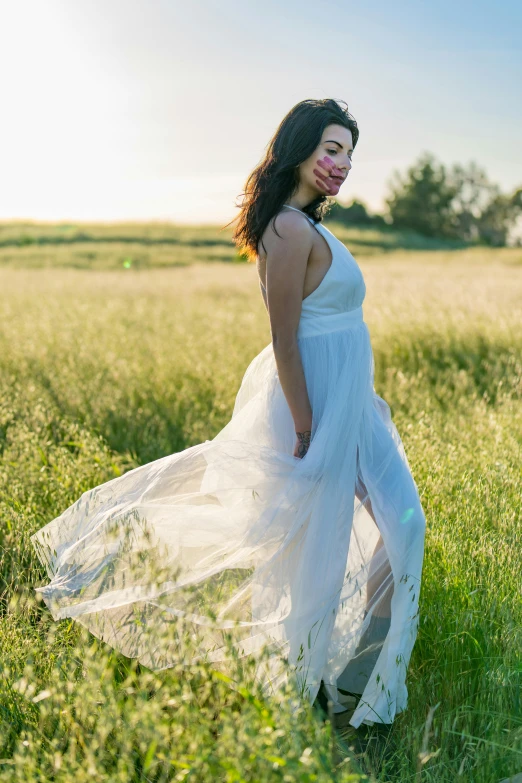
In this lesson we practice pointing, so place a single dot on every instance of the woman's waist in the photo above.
(311, 324)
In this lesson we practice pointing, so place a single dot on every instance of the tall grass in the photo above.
(103, 369)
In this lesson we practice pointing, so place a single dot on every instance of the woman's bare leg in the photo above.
(377, 575)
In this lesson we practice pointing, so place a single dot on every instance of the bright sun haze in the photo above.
(128, 110)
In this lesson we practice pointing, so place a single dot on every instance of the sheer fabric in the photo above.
(317, 560)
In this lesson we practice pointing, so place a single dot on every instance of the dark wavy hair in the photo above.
(276, 178)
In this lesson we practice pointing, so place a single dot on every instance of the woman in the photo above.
(298, 529)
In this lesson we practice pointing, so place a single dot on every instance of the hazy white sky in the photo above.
(126, 109)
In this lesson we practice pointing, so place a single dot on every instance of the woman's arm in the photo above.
(286, 263)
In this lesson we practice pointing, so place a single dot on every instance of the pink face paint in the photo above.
(332, 178)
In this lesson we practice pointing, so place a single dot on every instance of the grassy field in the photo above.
(121, 344)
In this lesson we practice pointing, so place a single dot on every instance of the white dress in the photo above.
(278, 552)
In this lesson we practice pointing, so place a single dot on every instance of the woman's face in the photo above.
(327, 168)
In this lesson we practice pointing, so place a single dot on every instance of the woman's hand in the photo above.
(302, 444)
(329, 177)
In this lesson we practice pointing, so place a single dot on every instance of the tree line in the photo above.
(457, 202)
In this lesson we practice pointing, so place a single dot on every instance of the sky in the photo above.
(160, 109)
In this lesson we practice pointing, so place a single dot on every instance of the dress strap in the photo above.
(299, 210)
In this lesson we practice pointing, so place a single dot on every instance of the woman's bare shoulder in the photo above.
(294, 225)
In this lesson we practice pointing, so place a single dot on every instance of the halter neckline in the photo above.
(297, 210)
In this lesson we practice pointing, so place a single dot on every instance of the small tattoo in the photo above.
(304, 442)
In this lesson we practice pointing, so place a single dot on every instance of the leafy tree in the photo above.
(456, 203)
(474, 195)
(354, 214)
(422, 199)
(497, 219)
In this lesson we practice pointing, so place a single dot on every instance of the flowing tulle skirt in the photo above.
(284, 552)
